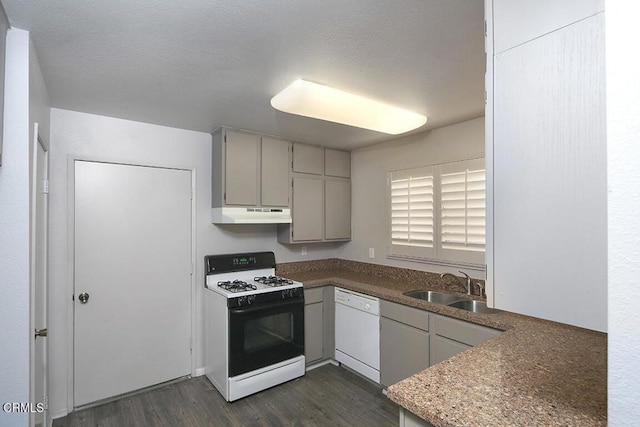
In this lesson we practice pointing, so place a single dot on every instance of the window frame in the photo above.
(474, 259)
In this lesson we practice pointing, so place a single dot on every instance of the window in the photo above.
(412, 211)
(456, 192)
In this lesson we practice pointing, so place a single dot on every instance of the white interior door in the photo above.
(133, 263)
(39, 295)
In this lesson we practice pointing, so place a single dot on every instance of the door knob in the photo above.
(39, 333)
(83, 297)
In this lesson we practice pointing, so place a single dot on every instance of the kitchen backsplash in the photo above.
(424, 278)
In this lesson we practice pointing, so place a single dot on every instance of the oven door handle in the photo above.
(259, 307)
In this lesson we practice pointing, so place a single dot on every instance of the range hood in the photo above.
(237, 215)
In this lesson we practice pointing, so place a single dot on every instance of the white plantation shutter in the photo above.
(456, 191)
(462, 211)
(412, 212)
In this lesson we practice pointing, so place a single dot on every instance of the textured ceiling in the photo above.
(201, 64)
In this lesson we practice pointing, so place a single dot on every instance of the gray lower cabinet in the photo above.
(404, 342)
(447, 338)
(318, 324)
(411, 340)
(409, 419)
(313, 324)
(444, 348)
(452, 336)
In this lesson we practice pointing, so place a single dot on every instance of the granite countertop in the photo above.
(536, 372)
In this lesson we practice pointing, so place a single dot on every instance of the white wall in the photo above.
(96, 137)
(39, 112)
(369, 168)
(14, 231)
(623, 156)
(39, 107)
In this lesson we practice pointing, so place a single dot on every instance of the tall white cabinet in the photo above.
(546, 160)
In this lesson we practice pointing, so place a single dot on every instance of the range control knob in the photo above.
(242, 301)
(251, 299)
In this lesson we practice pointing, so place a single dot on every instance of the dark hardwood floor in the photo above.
(326, 396)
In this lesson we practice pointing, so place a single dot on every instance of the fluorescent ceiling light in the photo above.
(325, 103)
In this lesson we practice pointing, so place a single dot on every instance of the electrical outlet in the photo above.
(372, 253)
(303, 252)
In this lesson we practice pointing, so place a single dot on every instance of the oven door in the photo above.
(265, 334)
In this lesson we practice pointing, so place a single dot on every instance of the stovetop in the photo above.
(239, 275)
(236, 284)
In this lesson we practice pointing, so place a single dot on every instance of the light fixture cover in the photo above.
(326, 103)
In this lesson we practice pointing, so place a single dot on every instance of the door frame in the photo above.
(71, 160)
(38, 141)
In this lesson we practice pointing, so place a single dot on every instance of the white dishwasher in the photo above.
(358, 332)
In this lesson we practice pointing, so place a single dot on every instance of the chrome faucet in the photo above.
(467, 284)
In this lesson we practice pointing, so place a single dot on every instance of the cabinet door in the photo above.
(313, 332)
(308, 159)
(404, 351)
(443, 348)
(275, 172)
(461, 331)
(337, 209)
(307, 208)
(337, 163)
(241, 169)
(329, 322)
(410, 316)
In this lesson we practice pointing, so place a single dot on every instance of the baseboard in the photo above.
(321, 363)
(61, 413)
(200, 372)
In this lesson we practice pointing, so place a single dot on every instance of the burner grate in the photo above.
(236, 286)
(273, 280)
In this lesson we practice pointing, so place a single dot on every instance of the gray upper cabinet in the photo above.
(275, 172)
(337, 209)
(241, 168)
(308, 159)
(320, 196)
(337, 163)
(249, 170)
(307, 208)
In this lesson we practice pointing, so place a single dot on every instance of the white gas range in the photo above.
(254, 324)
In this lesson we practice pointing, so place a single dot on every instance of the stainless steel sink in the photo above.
(432, 296)
(474, 306)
